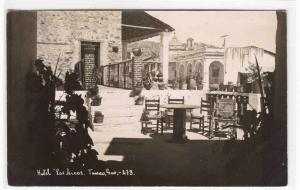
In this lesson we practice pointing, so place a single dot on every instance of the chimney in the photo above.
(190, 43)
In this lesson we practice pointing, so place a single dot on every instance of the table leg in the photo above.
(179, 125)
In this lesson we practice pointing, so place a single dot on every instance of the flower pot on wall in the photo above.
(229, 87)
(214, 87)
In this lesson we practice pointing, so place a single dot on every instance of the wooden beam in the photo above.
(140, 27)
(142, 37)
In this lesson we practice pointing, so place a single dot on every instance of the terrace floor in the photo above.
(155, 161)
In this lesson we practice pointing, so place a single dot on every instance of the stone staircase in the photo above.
(118, 109)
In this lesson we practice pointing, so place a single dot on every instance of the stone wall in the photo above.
(61, 32)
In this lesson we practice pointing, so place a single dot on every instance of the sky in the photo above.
(245, 28)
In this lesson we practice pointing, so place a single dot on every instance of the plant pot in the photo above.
(184, 86)
(199, 86)
(176, 86)
(161, 86)
(98, 117)
(229, 87)
(96, 100)
(237, 89)
(214, 87)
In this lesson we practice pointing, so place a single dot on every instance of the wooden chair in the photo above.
(151, 113)
(225, 114)
(169, 113)
(199, 119)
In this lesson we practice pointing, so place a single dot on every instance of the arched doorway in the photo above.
(199, 71)
(181, 71)
(189, 70)
(216, 73)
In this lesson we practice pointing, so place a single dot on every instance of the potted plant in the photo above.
(93, 94)
(175, 84)
(96, 100)
(184, 85)
(98, 117)
(162, 86)
(181, 82)
(230, 87)
(193, 84)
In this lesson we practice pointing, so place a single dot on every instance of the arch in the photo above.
(189, 70)
(199, 70)
(216, 73)
(181, 71)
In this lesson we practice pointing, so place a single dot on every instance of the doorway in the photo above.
(216, 73)
(90, 57)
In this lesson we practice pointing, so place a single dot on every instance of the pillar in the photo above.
(124, 50)
(164, 54)
(21, 53)
(137, 73)
(206, 64)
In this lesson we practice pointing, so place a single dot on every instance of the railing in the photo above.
(118, 75)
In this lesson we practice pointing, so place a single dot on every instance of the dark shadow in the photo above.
(156, 161)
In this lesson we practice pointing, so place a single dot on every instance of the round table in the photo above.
(179, 119)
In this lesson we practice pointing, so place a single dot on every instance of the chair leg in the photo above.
(203, 125)
(210, 129)
(162, 125)
(142, 129)
(191, 123)
(200, 124)
(157, 126)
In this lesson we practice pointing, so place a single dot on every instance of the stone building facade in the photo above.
(70, 33)
(220, 65)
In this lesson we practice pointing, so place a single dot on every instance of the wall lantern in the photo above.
(115, 49)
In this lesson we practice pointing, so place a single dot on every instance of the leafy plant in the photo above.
(252, 72)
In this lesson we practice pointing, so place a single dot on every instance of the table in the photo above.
(179, 119)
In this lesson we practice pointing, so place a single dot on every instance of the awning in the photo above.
(139, 25)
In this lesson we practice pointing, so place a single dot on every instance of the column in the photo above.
(124, 50)
(206, 74)
(164, 54)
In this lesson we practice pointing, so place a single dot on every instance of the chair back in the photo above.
(225, 108)
(175, 101)
(152, 105)
(205, 106)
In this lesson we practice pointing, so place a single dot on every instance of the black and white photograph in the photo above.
(147, 97)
